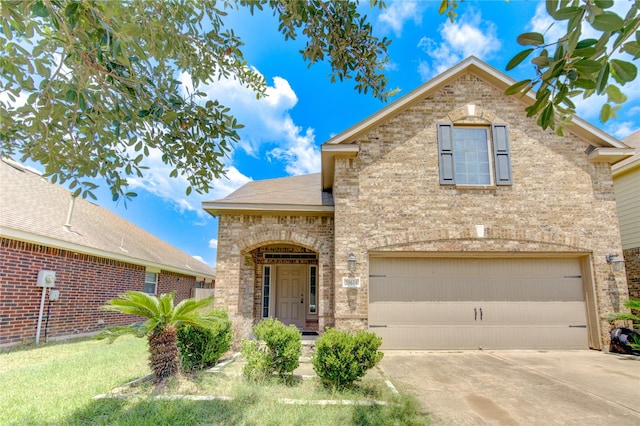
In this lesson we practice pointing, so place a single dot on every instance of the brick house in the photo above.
(447, 220)
(626, 182)
(95, 255)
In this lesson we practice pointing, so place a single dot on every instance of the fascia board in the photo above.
(610, 155)
(55, 243)
(500, 80)
(214, 208)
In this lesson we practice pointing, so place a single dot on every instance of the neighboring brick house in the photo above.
(95, 255)
(626, 182)
(447, 220)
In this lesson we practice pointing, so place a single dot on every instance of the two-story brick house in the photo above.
(446, 220)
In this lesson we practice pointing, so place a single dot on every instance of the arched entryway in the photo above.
(286, 284)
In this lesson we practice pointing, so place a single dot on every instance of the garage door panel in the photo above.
(468, 313)
(435, 303)
(464, 337)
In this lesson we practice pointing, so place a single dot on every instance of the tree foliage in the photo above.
(92, 88)
(575, 65)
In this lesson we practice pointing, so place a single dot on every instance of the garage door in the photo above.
(465, 303)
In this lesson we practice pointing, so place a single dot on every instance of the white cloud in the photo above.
(623, 129)
(213, 243)
(469, 35)
(268, 123)
(544, 24)
(156, 181)
(398, 13)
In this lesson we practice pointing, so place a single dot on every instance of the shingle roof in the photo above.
(294, 193)
(33, 209)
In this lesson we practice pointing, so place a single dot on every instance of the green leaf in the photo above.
(567, 13)
(143, 113)
(541, 61)
(632, 48)
(39, 9)
(587, 66)
(605, 113)
(528, 39)
(71, 9)
(585, 83)
(608, 21)
(603, 79)
(516, 60)
(587, 42)
(546, 118)
(604, 4)
(517, 87)
(131, 30)
(615, 95)
(623, 71)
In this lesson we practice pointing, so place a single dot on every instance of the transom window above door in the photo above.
(474, 155)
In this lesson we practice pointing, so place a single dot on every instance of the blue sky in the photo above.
(283, 132)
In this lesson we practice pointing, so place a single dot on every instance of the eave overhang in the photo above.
(217, 208)
(610, 155)
(501, 81)
(329, 153)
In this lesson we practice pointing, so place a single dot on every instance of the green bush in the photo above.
(277, 349)
(341, 358)
(202, 347)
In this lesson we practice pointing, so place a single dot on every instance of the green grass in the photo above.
(55, 384)
(45, 384)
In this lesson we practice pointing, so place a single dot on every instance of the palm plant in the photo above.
(163, 321)
(634, 307)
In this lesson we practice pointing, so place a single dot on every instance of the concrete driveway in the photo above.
(520, 387)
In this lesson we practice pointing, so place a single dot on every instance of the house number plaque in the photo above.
(351, 282)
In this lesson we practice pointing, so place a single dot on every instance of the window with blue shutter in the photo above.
(473, 155)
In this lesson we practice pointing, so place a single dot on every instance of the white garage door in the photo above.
(465, 303)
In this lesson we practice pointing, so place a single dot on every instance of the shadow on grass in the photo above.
(140, 412)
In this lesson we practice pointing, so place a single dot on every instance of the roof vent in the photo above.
(67, 225)
(590, 149)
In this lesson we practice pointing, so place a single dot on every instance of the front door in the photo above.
(291, 294)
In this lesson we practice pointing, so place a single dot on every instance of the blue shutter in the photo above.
(502, 154)
(445, 154)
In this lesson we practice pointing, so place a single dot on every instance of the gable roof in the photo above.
(294, 193)
(35, 210)
(605, 144)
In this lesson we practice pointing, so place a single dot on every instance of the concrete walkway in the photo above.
(520, 387)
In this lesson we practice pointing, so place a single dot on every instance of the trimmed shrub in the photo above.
(201, 347)
(341, 358)
(277, 349)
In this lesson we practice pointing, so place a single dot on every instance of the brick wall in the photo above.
(85, 283)
(238, 235)
(632, 267)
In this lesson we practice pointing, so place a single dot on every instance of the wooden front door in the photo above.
(291, 294)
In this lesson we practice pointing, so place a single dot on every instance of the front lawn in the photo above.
(55, 384)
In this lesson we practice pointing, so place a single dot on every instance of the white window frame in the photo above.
(457, 153)
(147, 281)
(313, 296)
(267, 290)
